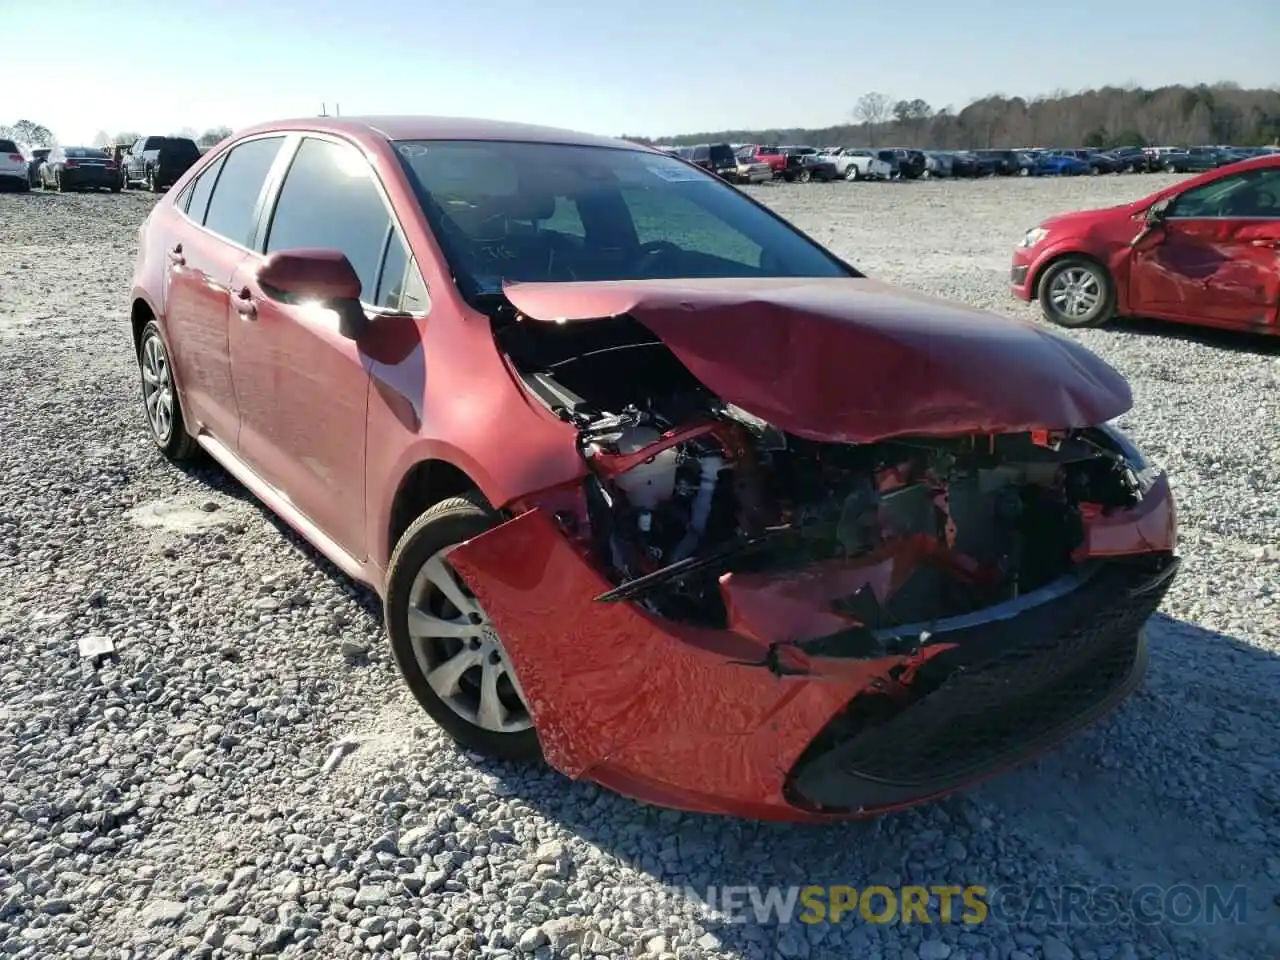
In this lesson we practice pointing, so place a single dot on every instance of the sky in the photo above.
(648, 68)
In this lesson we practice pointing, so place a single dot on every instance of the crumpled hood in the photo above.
(853, 360)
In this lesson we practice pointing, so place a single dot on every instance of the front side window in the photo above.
(233, 207)
(1254, 193)
(501, 211)
(329, 200)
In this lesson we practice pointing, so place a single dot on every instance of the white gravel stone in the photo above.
(191, 762)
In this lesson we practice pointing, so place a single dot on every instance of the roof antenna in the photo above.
(323, 111)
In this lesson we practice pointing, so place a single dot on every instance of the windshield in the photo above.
(506, 211)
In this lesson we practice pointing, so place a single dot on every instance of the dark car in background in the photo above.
(805, 163)
(1002, 162)
(1132, 160)
(717, 158)
(1097, 160)
(911, 163)
(158, 162)
(79, 168)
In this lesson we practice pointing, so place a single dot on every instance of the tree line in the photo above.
(34, 134)
(1222, 113)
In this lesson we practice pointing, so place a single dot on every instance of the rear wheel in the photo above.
(1076, 292)
(804, 176)
(852, 173)
(448, 651)
(160, 397)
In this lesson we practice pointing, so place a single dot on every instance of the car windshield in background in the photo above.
(509, 211)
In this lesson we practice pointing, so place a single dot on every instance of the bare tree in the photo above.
(102, 139)
(213, 136)
(25, 131)
(873, 109)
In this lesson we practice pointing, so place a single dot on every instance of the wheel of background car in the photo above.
(852, 172)
(1077, 292)
(1170, 168)
(448, 652)
(1024, 171)
(152, 184)
(57, 181)
(804, 176)
(160, 401)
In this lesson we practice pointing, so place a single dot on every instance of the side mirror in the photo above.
(324, 277)
(1157, 211)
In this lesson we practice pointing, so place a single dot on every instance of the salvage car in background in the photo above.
(750, 170)
(38, 157)
(1205, 251)
(853, 164)
(79, 168)
(651, 484)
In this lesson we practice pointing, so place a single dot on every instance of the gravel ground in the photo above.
(249, 778)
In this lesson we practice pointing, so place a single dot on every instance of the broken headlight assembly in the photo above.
(1144, 471)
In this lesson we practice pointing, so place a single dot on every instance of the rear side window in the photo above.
(329, 199)
(235, 198)
(8, 146)
(199, 192)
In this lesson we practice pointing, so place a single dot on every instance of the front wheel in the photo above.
(804, 176)
(448, 651)
(160, 397)
(852, 173)
(1077, 293)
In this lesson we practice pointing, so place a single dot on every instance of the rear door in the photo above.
(221, 208)
(303, 387)
(1216, 259)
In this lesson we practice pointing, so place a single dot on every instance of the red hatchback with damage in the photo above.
(653, 486)
(1204, 251)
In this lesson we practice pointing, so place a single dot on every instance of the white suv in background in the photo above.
(13, 167)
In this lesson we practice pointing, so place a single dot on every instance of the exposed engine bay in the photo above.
(683, 488)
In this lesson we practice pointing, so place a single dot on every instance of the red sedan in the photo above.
(652, 486)
(1205, 251)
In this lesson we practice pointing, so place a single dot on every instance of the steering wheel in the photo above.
(650, 249)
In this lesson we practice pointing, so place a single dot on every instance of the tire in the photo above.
(152, 184)
(1082, 276)
(57, 182)
(1170, 168)
(410, 585)
(115, 188)
(124, 181)
(804, 176)
(172, 439)
(852, 173)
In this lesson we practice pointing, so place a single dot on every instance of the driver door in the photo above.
(1216, 256)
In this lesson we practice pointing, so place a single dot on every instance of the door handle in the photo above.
(176, 257)
(1264, 243)
(245, 306)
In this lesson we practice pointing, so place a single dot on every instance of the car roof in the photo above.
(439, 128)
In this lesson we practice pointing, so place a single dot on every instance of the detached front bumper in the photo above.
(779, 717)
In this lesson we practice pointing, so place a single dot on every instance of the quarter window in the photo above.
(200, 190)
(234, 205)
(330, 200)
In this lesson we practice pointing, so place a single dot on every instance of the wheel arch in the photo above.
(423, 485)
(140, 314)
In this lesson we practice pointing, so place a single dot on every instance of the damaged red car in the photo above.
(653, 487)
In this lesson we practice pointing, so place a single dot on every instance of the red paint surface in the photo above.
(854, 360)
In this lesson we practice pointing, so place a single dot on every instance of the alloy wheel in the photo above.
(1075, 292)
(157, 388)
(460, 653)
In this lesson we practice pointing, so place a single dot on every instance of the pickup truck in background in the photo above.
(157, 162)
